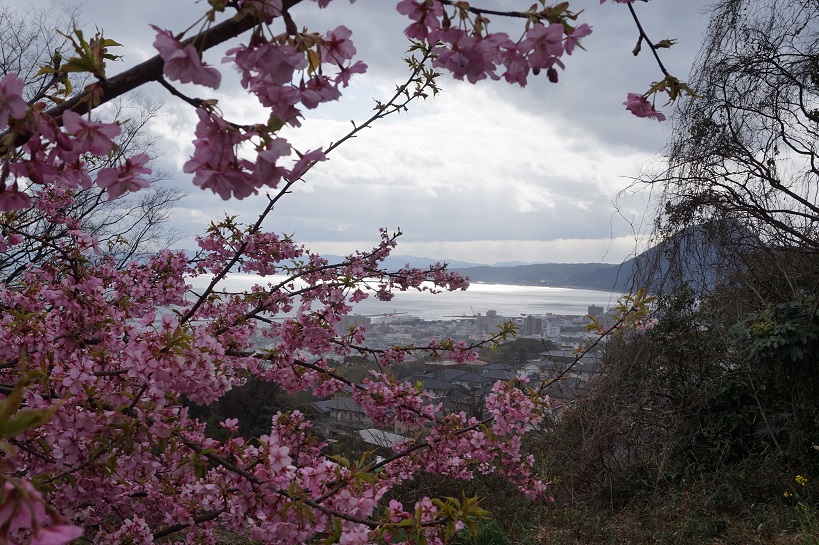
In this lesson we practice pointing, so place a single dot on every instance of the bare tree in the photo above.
(127, 227)
(743, 166)
(748, 147)
(743, 157)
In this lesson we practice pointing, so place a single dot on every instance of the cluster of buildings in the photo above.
(387, 330)
(463, 386)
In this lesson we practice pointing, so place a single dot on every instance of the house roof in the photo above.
(559, 355)
(431, 383)
(544, 364)
(498, 374)
(338, 404)
(443, 364)
(446, 374)
(472, 378)
(380, 438)
(586, 366)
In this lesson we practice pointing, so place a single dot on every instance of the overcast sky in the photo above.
(483, 173)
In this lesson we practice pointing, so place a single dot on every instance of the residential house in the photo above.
(340, 415)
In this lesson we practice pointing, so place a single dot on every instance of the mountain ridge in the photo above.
(592, 276)
(696, 256)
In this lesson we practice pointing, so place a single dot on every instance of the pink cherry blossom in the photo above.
(425, 17)
(24, 510)
(9, 241)
(86, 241)
(517, 67)
(11, 198)
(266, 63)
(214, 163)
(183, 63)
(12, 103)
(141, 363)
(346, 72)
(469, 57)
(117, 181)
(267, 171)
(317, 90)
(337, 45)
(89, 136)
(573, 38)
(72, 175)
(230, 424)
(56, 535)
(226, 180)
(304, 162)
(639, 106)
(543, 45)
(268, 8)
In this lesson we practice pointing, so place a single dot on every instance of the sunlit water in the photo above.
(507, 300)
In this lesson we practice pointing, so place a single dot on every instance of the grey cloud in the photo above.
(585, 107)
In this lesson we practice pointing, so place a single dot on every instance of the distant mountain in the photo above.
(511, 263)
(396, 261)
(700, 256)
(591, 276)
(399, 261)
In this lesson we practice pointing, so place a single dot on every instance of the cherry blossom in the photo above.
(337, 45)
(23, 510)
(347, 72)
(183, 63)
(117, 181)
(425, 16)
(12, 103)
(575, 35)
(11, 198)
(288, 73)
(639, 106)
(267, 8)
(544, 45)
(91, 137)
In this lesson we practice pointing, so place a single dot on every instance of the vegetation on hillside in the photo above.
(705, 428)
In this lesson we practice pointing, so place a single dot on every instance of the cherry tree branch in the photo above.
(502, 13)
(644, 37)
(420, 74)
(150, 70)
(204, 517)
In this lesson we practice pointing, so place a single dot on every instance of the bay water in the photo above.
(507, 300)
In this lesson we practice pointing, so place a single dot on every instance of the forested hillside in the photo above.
(704, 429)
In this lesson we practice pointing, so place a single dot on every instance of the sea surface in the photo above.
(507, 300)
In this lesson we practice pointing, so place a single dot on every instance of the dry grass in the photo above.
(631, 528)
